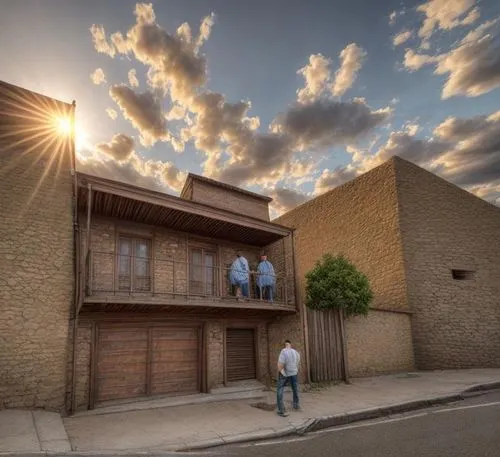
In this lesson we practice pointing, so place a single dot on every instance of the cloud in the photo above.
(175, 65)
(286, 199)
(472, 68)
(119, 148)
(98, 76)
(351, 60)
(111, 113)
(150, 174)
(316, 74)
(395, 14)
(475, 159)
(227, 135)
(413, 61)
(392, 17)
(205, 30)
(465, 151)
(330, 179)
(327, 123)
(132, 78)
(101, 43)
(402, 37)
(446, 15)
(144, 111)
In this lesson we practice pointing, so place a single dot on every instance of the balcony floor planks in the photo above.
(182, 304)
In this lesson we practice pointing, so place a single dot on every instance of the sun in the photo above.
(63, 126)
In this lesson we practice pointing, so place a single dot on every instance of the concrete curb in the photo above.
(324, 422)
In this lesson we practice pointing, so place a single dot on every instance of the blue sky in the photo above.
(253, 53)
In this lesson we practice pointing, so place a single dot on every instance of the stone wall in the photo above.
(456, 322)
(36, 248)
(83, 351)
(378, 343)
(231, 200)
(215, 353)
(359, 220)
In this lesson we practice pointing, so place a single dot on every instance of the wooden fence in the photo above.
(325, 345)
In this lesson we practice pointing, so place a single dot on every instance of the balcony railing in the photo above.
(125, 275)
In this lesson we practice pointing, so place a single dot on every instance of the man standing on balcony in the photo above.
(266, 278)
(288, 370)
(239, 275)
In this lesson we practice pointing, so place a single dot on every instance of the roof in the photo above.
(118, 199)
(194, 177)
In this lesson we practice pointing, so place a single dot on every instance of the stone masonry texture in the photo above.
(36, 248)
(360, 220)
(456, 322)
(237, 202)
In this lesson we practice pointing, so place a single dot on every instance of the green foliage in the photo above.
(335, 283)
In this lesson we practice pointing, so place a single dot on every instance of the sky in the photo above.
(283, 97)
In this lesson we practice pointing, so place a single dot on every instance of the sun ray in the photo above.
(39, 127)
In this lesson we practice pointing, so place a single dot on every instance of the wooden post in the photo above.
(286, 269)
(88, 243)
(303, 312)
(344, 348)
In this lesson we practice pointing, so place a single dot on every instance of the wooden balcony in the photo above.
(117, 282)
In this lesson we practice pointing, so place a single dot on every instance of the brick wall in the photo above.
(456, 323)
(36, 247)
(380, 342)
(237, 202)
(360, 220)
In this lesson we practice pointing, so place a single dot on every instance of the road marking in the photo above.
(482, 405)
(370, 423)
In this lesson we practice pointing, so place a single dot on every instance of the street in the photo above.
(468, 428)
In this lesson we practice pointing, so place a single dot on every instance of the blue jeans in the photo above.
(282, 382)
(244, 289)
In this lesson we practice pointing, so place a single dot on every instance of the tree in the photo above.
(335, 283)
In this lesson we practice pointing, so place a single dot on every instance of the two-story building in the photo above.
(158, 314)
(111, 292)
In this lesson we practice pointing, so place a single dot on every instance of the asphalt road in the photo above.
(470, 428)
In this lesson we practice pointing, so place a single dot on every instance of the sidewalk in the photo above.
(206, 425)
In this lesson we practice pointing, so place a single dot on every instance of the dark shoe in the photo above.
(297, 408)
(285, 414)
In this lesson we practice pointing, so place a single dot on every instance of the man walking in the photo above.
(288, 369)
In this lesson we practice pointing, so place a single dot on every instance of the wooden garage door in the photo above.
(150, 360)
(175, 361)
(122, 363)
(240, 354)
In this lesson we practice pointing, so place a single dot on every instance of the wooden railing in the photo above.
(117, 274)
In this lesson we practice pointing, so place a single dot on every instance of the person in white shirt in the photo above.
(288, 370)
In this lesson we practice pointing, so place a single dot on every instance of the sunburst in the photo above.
(39, 127)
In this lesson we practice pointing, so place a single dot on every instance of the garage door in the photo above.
(143, 361)
(240, 354)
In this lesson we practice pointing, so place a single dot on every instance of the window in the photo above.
(134, 264)
(462, 275)
(202, 271)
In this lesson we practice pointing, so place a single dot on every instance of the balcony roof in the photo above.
(128, 202)
(193, 177)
